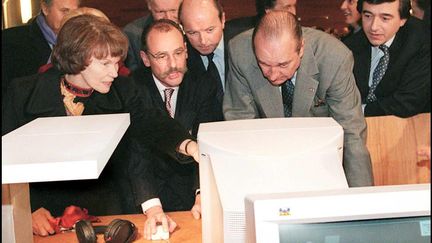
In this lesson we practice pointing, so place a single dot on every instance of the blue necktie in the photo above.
(378, 74)
(287, 97)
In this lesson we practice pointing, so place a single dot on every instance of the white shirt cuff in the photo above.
(363, 107)
(150, 203)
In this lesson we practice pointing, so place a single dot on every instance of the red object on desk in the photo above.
(70, 216)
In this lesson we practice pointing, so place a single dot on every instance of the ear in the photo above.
(301, 52)
(223, 20)
(44, 8)
(402, 23)
(145, 58)
(186, 51)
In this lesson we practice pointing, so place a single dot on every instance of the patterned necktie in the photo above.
(378, 73)
(213, 72)
(287, 97)
(168, 93)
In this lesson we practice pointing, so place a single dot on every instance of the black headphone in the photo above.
(118, 231)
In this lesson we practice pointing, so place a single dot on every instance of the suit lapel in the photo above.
(267, 96)
(154, 93)
(362, 64)
(194, 60)
(183, 104)
(38, 42)
(387, 82)
(306, 83)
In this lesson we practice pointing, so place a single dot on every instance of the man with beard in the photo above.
(158, 179)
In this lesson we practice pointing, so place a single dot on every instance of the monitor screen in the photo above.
(395, 230)
(263, 156)
(366, 214)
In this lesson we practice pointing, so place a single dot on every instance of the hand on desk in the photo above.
(41, 225)
(156, 215)
(196, 209)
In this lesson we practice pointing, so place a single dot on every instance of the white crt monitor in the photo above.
(396, 214)
(263, 156)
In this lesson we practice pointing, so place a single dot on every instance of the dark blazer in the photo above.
(236, 26)
(156, 175)
(196, 65)
(405, 87)
(24, 50)
(39, 96)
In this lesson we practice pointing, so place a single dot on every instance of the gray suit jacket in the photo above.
(324, 86)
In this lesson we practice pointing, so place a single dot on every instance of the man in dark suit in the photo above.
(160, 181)
(203, 23)
(26, 48)
(392, 60)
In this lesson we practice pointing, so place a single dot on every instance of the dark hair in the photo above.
(84, 36)
(423, 4)
(216, 3)
(161, 25)
(276, 23)
(404, 6)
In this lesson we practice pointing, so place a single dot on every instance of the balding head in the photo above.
(164, 9)
(276, 24)
(203, 22)
(278, 46)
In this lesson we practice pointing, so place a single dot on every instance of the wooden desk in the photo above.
(188, 229)
(393, 143)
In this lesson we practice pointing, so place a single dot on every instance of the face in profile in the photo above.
(287, 5)
(202, 26)
(278, 58)
(167, 58)
(381, 21)
(349, 10)
(56, 11)
(99, 74)
(164, 9)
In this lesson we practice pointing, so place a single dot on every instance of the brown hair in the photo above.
(161, 25)
(84, 36)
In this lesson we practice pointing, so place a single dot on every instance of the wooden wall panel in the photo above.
(325, 14)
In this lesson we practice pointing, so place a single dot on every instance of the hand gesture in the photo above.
(156, 215)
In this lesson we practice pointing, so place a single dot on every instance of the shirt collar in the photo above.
(219, 51)
(388, 43)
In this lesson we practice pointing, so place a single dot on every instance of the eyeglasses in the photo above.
(164, 56)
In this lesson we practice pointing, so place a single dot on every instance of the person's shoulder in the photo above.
(323, 42)
(414, 29)
(16, 33)
(138, 24)
(141, 74)
(235, 26)
(242, 39)
(356, 41)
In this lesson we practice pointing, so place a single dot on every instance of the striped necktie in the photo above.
(168, 94)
